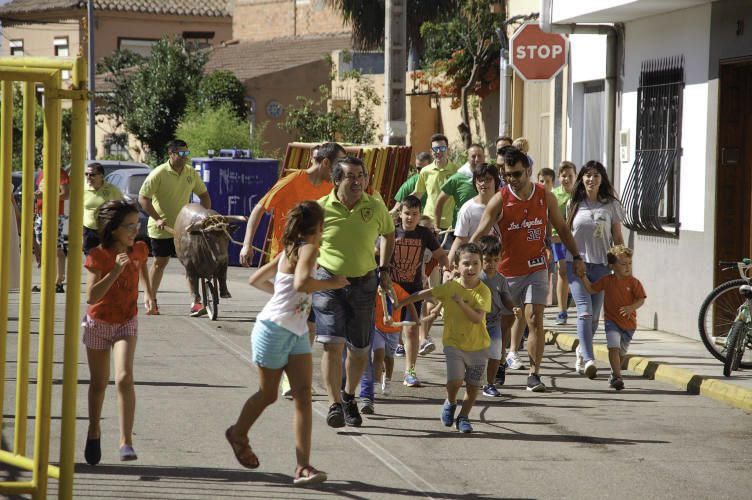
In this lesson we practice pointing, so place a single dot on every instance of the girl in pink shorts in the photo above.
(110, 323)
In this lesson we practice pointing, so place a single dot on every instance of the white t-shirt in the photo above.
(468, 219)
(591, 228)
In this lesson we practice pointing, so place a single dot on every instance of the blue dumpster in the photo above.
(235, 185)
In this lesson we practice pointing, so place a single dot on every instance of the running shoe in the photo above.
(534, 383)
(399, 352)
(352, 415)
(561, 318)
(127, 453)
(366, 406)
(197, 310)
(591, 371)
(616, 383)
(59, 288)
(447, 413)
(463, 424)
(284, 386)
(501, 374)
(385, 385)
(336, 417)
(411, 379)
(491, 391)
(578, 361)
(427, 347)
(513, 361)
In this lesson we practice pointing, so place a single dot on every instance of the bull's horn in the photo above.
(235, 218)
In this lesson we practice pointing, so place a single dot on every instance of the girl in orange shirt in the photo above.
(110, 323)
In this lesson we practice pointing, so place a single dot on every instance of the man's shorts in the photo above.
(272, 345)
(412, 290)
(346, 315)
(616, 336)
(386, 341)
(101, 336)
(494, 331)
(530, 288)
(162, 247)
(60, 236)
(559, 251)
(91, 239)
(466, 365)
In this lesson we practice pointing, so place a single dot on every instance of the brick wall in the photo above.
(267, 19)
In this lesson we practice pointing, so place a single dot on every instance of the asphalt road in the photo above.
(578, 440)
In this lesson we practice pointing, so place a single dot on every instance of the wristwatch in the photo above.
(577, 257)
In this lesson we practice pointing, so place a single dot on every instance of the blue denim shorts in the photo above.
(559, 251)
(386, 341)
(494, 331)
(346, 315)
(272, 345)
(617, 336)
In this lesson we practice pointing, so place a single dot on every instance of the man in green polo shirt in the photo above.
(422, 160)
(434, 176)
(353, 221)
(165, 191)
(459, 187)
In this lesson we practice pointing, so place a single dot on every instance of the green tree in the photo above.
(464, 56)
(151, 98)
(217, 128)
(222, 87)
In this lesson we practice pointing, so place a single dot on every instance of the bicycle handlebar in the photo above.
(742, 266)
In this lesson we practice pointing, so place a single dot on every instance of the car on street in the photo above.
(129, 181)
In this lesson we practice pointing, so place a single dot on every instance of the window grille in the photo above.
(651, 194)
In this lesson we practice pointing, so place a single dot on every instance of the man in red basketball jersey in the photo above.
(522, 209)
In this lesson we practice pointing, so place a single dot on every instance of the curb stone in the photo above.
(692, 383)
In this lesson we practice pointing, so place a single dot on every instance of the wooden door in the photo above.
(733, 230)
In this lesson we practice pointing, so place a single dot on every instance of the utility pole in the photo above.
(92, 150)
(395, 66)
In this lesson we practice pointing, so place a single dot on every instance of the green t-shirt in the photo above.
(460, 187)
(562, 200)
(459, 331)
(350, 234)
(407, 189)
(95, 198)
(430, 180)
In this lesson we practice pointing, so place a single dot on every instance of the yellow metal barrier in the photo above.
(46, 71)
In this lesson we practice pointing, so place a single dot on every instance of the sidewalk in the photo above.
(656, 355)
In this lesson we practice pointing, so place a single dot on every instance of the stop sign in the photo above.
(535, 54)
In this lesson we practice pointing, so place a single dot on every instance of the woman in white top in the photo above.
(594, 215)
(280, 337)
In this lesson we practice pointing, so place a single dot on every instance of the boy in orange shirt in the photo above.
(624, 295)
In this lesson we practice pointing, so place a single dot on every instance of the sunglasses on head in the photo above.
(516, 174)
(437, 149)
(183, 154)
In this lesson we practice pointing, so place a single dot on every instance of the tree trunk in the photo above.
(464, 127)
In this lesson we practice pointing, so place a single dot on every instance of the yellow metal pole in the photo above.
(25, 463)
(47, 306)
(6, 151)
(40, 63)
(73, 295)
(17, 488)
(27, 235)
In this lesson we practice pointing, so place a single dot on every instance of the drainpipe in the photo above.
(611, 57)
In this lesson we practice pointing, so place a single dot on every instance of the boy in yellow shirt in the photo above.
(466, 302)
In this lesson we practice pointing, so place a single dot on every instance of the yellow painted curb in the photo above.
(719, 390)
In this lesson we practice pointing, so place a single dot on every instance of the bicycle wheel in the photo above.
(734, 348)
(717, 315)
(211, 300)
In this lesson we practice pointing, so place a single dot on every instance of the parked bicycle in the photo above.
(725, 321)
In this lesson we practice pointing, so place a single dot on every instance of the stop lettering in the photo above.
(537, 55)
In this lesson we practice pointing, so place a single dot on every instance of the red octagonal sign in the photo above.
(535, 54)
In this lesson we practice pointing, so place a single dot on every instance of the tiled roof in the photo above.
(208, 8)
(251, 59)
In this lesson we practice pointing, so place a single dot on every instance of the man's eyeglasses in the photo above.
(517, 174)
(439, 149)
(183, 154)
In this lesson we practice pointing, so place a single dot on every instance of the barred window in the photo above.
(651, 194)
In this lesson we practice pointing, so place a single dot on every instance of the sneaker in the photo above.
(534, 383)
(578, 361)
(463, 424)
(399, 352)
(352, 415)
(491, 391)
(590, 369)
(385, 385)
(561, 318)
(411, 379)
(447, 413)
(336, 417)
(366, 406)
(616, 383)
(59, 288)
(513, 361)
(197, 310)
(127, 453)
(501, 374)
(427, 347)
(284, 386)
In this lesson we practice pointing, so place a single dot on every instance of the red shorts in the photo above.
(101, 336)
